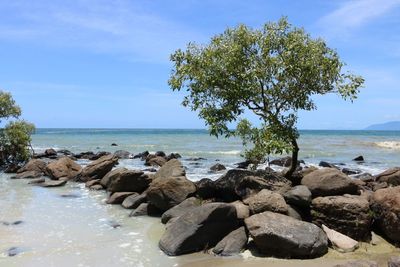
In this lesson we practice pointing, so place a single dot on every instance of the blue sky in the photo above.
(101, 63)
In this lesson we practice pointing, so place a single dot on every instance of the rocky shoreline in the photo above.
(243, 209)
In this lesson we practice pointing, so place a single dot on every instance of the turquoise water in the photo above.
(380, 148)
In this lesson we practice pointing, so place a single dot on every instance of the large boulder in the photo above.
(124, 180)
(165, 193)
(206, 188)
(198, 229)
(118, 197)
(233, 243)
(299, 196)
(180, 209)
(64, 168)
(217, 167)
(154, 160)
(391, 176)
(98, 168)
(122, 154)
(349, 215)
(385, 204)
(28, 175)
(339, 241)
(133, 201)
(329, 182)
(282, 236)
(238, 183)
(266, 200)
(36, 165)
(172, 168)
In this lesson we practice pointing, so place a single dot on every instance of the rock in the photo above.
(299, 196)
(196, 159)
(33, 165)
(329, 182)
(284, 162)
(12, 168)
(238, 184)
(243, 165)
(160, 154)
(122, 154)
(114, 144)
(365, 177)
(164, 193)
(50, 152)
(282, 236)
(217, 167)
(295, 213)
(349, 215)
(64, 168)
(92, 183)
(142, 155)
(340, 242)
(394, 261)
(307, 170)
(98, 168)
(359, 158)
(53, 183)
(150, 170)
(359, 263)
(349, 171)
(133, 201)
(28, 175)
(206, 188)
(124, 180)
(65, 152)
(98, 155)
(391, 177)
(118, 197)
(242, 210)
(385, 204)
(157, 161)
(200, 228)
(327, 165)
(96, 187)
(145, 209)
(266, 200)
(232, 244)
(172, 168)
(173, 156)
(37, 181)
(84, 155)
(14, 251)
(180, 209)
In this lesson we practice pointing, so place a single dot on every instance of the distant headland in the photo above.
(388, 126)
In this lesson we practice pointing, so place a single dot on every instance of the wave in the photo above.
(388, 144)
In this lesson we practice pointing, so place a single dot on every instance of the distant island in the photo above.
(388, 126)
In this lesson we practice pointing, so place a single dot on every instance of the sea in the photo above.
(72, 226)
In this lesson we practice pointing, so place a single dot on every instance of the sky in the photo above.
(105, 64)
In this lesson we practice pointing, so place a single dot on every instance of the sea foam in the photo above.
(388, 144)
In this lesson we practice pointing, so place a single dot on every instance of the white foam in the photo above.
(388, 144)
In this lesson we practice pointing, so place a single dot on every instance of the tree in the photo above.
(15, 137)
(273, 72)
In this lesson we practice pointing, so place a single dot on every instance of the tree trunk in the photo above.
(295, 155)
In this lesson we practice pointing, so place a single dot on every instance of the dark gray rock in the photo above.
(53, 183)
(122, 154)
(118, 197)
(217, 167)
(206, 188)
(200, 228)
(233, 243)
(133, 201)
(98, 168)
(266, 200)
(390, 176)
(299, 196)
(180, 209)
(145, 209)
(359, 158)
(124, 180)
(282, 236)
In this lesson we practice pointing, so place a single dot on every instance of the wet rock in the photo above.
(53, 183)
(243, 165)
(266, 200)
(65, 152)
(349, 215)
(160, 154)
(349, 171)
(122, 154)
(365, 177)
(28, 175)
(385, 204)
(37, 181)
(327, 165)
(198, 229)
(118, 197)
(36, 165)
(91, 183)
(339, 241)
(180, 209)
(150, 170)
(329, 182)
(299, 196)
(172, 168)
(155, 161)
(217, 167)
(394, 261)
(145, 209)
(173, 156)
(133, 201)
(124, 180)
(165, 193)
(206, 188)
(359, 263)
(12, 168)
(84, 155)
(98, 168)
(359, 158)
(196, 159)
(239, 184)
(391, 177)
(282, 236)
(63, 168)
(114, 224)
(96, 187)
(114, 144)
(284, 162)
(142, 155)
(71, 195)
(14, 251)
(98, 155)
(233, 243)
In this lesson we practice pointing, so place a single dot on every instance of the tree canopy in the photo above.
(15, 137)
(273, 72)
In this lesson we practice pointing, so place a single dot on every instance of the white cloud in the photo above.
(355, 13)
(117, 27)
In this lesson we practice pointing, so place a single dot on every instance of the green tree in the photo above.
(15, 137)
(273, 72)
